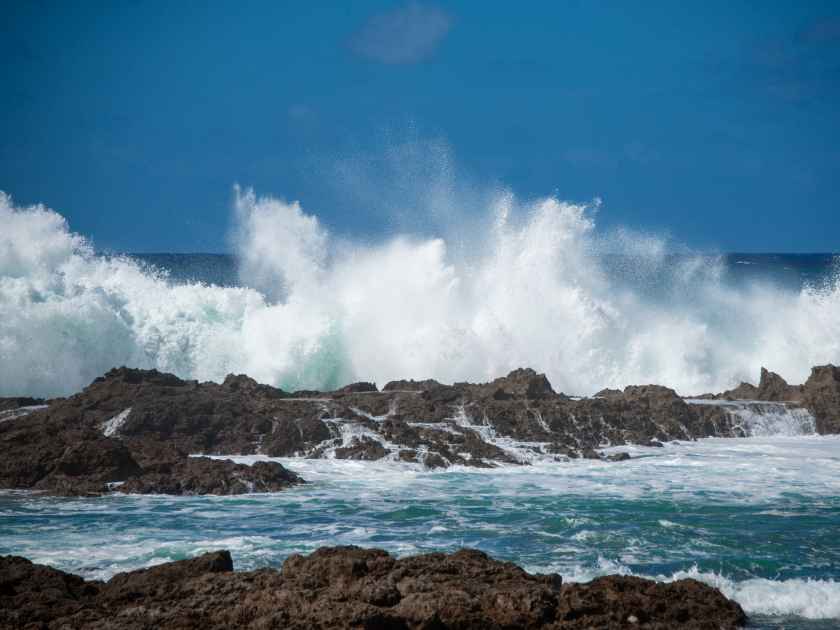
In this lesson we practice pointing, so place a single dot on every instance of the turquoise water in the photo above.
(757, 517)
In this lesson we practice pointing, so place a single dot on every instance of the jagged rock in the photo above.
(609, 393)
(821, 395)
(363, 448)
(34, 595)
(356, 388)
(521, 383)
(744, 391)
(129, 587)
(618, 457)
(153, 420)
(562, 449)
(104, 457)
(159, 420)
(201, 475)
(349, 587)
(771, 388)
(774, 388)
(434, 461)
(411, 385)
(88, 466)
(244, 383)
(8, 404)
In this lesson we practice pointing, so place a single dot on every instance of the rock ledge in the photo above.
(349, 587)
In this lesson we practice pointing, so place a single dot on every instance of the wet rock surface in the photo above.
(821, 395)
(11, 404)
(349, 587)
(139, 426)
(134, 430)
(201, 475)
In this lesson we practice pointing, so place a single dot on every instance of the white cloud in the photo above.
(406, 34)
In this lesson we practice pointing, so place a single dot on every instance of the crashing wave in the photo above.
(529, 288)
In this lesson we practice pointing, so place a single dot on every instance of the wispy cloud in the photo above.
(407, 34)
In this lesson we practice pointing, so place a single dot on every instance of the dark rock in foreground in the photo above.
(349, 587)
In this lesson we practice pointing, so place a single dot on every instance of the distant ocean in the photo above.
(793, 271)
(299, 308)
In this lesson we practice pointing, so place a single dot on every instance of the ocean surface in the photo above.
(757, 517)
(535, 285)
(789, 271)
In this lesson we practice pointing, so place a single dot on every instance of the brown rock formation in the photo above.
(821, 395)
(141, 425)
(349, 587)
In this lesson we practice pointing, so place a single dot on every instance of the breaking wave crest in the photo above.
(807, 598)
(529, 287)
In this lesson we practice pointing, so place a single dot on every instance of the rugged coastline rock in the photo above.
(138, 427)
(76, 445)
(771, 388)
(821, 395)
(11, 404)
(201, 475)
(350, 587)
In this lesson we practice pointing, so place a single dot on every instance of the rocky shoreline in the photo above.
(135, 431)
(350, 587)
(138, 431)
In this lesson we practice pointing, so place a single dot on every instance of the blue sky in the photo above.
(715, 122)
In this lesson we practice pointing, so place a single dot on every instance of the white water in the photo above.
(112, 426)
(754, 517)
(10, 414)
(808, 598)
(762, 419)
(527, 289)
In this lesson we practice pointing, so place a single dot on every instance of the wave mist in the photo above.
(529, 284)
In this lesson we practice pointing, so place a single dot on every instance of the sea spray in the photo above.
(532, 287)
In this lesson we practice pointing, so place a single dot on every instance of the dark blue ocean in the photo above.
(789, 270)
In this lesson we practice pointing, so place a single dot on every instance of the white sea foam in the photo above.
(755, 470)
(808, 598)
(761, 418)
(812, 599)
(529, 289)
(656, 515)
(19, 412)
(112, 426)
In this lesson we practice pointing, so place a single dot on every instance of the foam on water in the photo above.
(527, 286)
(18, 412)
(112, 426)
(756, 517)
(806, 598)
(762, 418)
